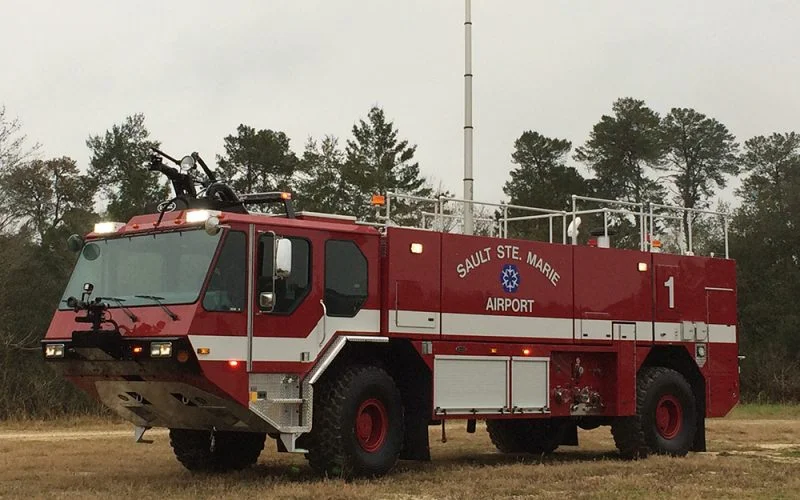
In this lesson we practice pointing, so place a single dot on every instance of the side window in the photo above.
(345, 278)
(289, 292)
(228, 284)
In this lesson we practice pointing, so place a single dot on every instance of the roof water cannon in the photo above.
(214, 194)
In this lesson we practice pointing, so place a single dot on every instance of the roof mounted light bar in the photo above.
(269, 198)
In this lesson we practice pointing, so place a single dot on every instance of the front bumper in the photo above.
(149, 391)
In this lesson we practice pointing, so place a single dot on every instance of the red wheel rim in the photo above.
(669, 416)
(372, 424)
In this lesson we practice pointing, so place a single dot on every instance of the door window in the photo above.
(289, 292)
(345, 278)
(228, 284)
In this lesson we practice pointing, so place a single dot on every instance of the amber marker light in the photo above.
(204, 351)
(494, 350)
(286, 196)
(233, 363)
(138, 349)
(526, 352)
(378, 200)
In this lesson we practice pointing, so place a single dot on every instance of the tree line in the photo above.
(633, 154)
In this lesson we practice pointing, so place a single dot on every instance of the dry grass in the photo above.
(748, 458)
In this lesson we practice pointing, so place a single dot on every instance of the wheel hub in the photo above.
(669, 416)
(372, 424)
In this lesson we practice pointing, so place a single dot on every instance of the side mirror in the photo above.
(212, 226)
(283, 257)
(266, 301)
(75, 243)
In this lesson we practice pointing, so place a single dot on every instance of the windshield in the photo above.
(170, 266)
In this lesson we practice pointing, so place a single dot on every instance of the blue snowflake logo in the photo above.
(510, 278)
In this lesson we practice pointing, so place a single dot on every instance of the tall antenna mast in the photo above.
(468, 224)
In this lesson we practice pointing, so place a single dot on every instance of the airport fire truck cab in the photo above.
(346, 341)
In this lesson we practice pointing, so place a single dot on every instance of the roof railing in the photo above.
(644, 216)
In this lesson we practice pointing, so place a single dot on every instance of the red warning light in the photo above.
(233, 363)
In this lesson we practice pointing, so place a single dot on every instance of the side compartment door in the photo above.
(413, 281)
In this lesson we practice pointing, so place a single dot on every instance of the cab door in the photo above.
(286, 313)
(350, 297)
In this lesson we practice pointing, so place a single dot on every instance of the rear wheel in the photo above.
(199, 451)
(535, 436)
(666, 416)
(358, 423)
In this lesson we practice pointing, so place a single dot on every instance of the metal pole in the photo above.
(605, 222)
(650, 243)
(388, 208)
(574, 209)
(505, 222)
(725, 224)
(564, 228)
(689, 236)
(642, 229)
(550, 220)
(468, 225)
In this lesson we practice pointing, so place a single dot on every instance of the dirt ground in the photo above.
(751, 455)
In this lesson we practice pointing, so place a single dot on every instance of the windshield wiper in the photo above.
(119, 302)
(158, 300)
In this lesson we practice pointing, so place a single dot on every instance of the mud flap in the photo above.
(569, 437)
(699, 443)
(416, 444)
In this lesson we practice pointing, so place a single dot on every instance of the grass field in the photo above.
(754, 453)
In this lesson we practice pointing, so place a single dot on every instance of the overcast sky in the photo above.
(197, 69)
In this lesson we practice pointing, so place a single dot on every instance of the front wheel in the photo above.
(358, 423)
(666, 416)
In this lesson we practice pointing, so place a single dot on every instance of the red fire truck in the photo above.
(345, 341)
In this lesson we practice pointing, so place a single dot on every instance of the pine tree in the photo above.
(377, 163)
(117, 167)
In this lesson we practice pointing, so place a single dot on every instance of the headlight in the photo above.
(54, 351)
(161, 349)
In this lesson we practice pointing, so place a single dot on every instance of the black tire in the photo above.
(226, 452)
(537, 436)
(666, 416)
(358, 423)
